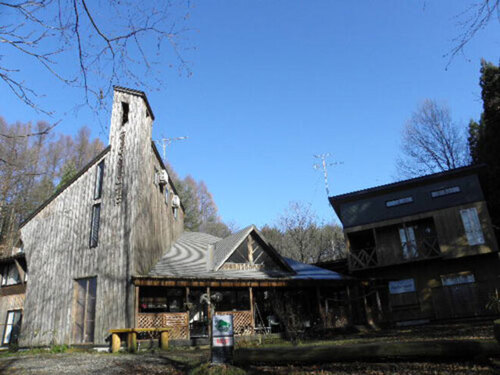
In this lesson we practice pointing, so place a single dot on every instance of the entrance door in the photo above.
(84, 317)
(12, 327)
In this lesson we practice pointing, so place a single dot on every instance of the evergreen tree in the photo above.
(484, 138)
(68, 172)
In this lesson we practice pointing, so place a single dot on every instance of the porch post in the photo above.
(250, 291)
(320, 307)
(136, 307)
(188, 314)
(350, 319)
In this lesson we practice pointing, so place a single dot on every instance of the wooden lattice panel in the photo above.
(178, 322)
(242, 321)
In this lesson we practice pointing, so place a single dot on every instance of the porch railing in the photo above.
(178, 322)
(424, 248)
(242, 321)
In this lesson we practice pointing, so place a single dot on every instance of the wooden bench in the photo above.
(132, 338)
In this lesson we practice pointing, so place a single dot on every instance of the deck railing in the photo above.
(424, 248)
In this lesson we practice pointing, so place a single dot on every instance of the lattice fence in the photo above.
(178, 322)
(242, 321)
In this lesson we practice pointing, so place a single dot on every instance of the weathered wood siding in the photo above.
(56, 240)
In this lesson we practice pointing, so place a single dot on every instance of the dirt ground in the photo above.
(174, 363)
(182, 361)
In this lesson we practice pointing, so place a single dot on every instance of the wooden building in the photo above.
(13, 279)
(115, 219)
(253, 282)
(429, 242)
(109, 251)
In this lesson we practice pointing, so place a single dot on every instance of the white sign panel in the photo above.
(222, 325)
(402, 286)
(222, 341)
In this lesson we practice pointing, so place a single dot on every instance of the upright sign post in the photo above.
(222, 339)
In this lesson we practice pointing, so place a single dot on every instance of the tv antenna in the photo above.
(324, 165)
(167, 142)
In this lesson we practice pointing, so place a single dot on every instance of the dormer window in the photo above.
(10, 275)
(125, 110)
(445, 191)
(398, 202)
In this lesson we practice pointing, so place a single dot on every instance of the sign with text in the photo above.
(402, 286)
(222, 339)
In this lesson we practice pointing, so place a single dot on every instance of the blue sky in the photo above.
(275, 82)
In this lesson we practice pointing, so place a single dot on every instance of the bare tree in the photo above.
(472, 20)
(431, 142)
(90, 45)
(30, 168)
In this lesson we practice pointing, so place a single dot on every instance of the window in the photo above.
(233, 300)
(445, 191)
(472, 226)
(156, 300)
(398, 202)
(175, 212)
(402, 294)
(125, 110)
(84, 314)
(458, 278)
(408, 242)
(10, 275)
(12, 327)
(94, 225)
(167, 193)
(98, 180)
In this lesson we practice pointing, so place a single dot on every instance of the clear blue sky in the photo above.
(275, 82)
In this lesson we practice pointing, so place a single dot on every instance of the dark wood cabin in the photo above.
(430, 243)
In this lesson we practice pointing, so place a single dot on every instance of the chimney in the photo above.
(210, 257)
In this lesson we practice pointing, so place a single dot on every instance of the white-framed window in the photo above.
(402, 286)
(458, 278)
(398, 202)
(10, 275)
(445, 191)
(472, 226)
(12, 327)
(408, 242)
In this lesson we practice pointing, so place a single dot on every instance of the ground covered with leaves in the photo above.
(194, 361)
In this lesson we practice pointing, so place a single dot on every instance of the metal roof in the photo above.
(187, 258)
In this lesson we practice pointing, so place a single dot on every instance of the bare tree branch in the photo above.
(431, 142)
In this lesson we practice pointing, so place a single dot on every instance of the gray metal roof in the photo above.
(187, 259)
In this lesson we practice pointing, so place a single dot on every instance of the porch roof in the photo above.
(187, 259)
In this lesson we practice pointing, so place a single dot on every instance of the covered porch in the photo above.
(257, 306)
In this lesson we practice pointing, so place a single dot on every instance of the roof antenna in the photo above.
(324, 165)
(167, 142)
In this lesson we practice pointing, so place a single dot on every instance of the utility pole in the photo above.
(167, 142)
(324, 165)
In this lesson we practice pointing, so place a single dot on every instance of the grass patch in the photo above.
(216, 369)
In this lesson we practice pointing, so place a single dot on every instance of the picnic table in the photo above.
(132, 337)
